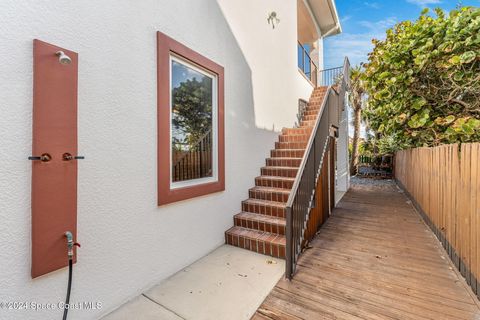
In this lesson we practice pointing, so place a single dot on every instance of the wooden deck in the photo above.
(373, 259)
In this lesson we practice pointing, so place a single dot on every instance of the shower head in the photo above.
(63, 58)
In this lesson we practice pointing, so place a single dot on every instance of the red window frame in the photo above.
(167, 46)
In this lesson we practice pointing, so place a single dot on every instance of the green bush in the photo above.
(423, 80)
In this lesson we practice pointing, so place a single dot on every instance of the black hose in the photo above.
(69, 289)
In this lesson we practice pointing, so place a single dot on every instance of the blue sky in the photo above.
(363, 20)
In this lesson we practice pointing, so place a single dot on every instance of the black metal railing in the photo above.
(194, 163)
(302, 196)
(330, 77)
(306, 64)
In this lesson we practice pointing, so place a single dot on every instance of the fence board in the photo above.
(444, 184)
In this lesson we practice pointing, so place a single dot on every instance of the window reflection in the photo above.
(192, 119)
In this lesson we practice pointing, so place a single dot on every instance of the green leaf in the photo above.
(459, 122)
(418, 120)
(467, 129)
(420, 59)
(383, 75)
(450, 131)
(419, 103)
(474, 123)
(449, 119)
(467, 57)
(455, 60)
(446, 47)
(468, 41)
(458, 76)
(458, 125)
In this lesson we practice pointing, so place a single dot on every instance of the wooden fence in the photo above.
(443, 183)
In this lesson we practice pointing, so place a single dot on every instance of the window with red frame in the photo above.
(190, 123)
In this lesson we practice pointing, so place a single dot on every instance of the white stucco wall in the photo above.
(128, 243)
(272, 56)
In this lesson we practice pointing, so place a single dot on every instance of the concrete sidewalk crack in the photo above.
(161, 305)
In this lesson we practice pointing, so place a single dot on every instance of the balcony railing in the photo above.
(306, 65)
(330, 77)
(312, 182)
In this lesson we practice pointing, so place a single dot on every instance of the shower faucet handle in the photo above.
(44, 158)
(68, 157)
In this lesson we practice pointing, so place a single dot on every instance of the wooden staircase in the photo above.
(260, 227)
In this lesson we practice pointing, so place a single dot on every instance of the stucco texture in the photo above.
(128, 243)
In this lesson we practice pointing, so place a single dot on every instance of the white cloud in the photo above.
(424, 3)
(354, 46)
(380, 25)
(373, 5)
(345, 19)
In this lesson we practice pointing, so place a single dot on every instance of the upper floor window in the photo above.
(190, 123)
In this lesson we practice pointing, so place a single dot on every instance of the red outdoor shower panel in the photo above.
(54, 155)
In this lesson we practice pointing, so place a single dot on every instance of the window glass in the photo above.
(192, 123)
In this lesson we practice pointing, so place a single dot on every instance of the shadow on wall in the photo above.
(203, 219)
(249, 90)
(246, 144)
(271, 55)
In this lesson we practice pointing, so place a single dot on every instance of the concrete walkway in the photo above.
(229, 283)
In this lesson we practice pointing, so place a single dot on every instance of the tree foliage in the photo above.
(423, 81)
(357, 89)
(356, 94)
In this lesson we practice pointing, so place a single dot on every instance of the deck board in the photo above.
(373, 259)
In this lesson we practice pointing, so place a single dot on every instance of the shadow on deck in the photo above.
(373, 259)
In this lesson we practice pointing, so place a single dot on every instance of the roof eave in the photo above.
(332, 27)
